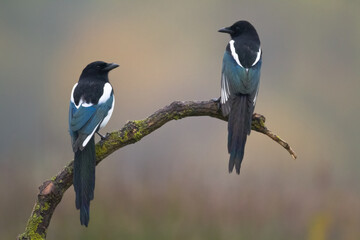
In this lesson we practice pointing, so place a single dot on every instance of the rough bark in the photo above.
(51, 191)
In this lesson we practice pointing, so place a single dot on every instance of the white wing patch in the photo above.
(233, 53)
(108, 116)
(87, 139)
(257, 91)
(257, 57)
(87, 104)
(81, 102)
(225, 92)
(236, 56)
(72, 93)
(106, 93)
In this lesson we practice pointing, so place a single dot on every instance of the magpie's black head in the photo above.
(98, 69)
(240, 28)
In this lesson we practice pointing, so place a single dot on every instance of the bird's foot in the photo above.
(102, 136)
(217, 100)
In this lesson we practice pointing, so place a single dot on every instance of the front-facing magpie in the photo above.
(91, 105)
(239, 86)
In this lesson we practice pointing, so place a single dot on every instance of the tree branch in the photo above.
(51, 191)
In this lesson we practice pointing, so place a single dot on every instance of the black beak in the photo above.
(226, 30)
(111, 66)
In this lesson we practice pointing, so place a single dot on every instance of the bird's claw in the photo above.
(217, 100)
(102, 136)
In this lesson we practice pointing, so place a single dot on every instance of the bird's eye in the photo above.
(97, 66)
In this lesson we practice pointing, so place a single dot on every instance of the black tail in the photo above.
(239, 126)
(84, 179)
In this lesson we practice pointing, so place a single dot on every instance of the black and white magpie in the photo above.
(91, 106)
(239, 86)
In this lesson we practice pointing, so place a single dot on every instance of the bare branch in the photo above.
(51, 191)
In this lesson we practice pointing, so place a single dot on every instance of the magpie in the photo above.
(240, 79)
(91, 106)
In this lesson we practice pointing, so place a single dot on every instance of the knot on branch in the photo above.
(258, 123)
(176, 104)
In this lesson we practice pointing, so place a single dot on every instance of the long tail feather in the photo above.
(84, 179)
(239, 126)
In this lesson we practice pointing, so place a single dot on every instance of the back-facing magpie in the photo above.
(91, 105)
(239, 86)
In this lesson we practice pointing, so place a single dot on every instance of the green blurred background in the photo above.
(174, 184)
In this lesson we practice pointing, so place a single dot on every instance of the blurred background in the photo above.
(174, 183)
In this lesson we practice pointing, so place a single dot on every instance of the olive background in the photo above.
(174, 183)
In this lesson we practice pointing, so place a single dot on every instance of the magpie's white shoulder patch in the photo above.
(87, 104)
(80, 103)
(233, 53)
(257, 57)
(108, 116)
(106, 93)
(72, 98)
(72, 93)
